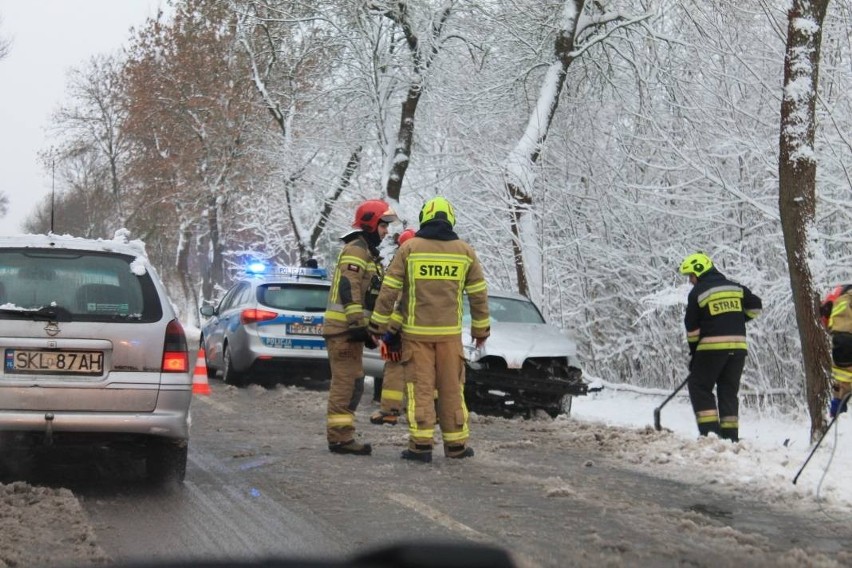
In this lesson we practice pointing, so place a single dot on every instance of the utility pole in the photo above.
(52, 187)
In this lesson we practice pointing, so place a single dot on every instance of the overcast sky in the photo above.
(48, 38)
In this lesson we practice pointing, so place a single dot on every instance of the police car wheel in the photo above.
(211, 371)
(229, 375)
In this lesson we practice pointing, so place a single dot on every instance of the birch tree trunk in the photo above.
(797, 192)
(519, 168)
(423, 57)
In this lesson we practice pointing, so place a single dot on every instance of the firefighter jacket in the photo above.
(717, 310)
(425, 282)
(840, 316)
(840, 326)
(354, 286)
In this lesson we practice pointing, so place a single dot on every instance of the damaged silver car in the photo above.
(526, 365)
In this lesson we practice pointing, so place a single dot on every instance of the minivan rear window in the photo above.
(91, 286)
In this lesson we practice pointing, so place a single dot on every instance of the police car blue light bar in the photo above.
(256, 268)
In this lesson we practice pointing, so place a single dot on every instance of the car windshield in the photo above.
(298, 298)
(89, 286)
(507, 310)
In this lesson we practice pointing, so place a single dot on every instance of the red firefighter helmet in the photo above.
(372, 212)
(404, 236)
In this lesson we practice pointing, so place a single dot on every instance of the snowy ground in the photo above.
(772, 447)
(42, 526)
(49, 527)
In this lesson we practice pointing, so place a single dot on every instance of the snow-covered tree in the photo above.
(587, 149)
(190, 120)
(797, 167)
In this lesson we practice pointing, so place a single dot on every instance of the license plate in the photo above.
(304, 329)
(54, 362)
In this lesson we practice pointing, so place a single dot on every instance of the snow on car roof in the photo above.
(120, 243)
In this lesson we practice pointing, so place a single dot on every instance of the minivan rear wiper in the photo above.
(48, 313)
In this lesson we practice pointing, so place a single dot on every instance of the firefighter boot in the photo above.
(381, 417)
(705, 428)
(458, 451)
(732, 434)
(418, 452)
(350, 447)
(730, 428)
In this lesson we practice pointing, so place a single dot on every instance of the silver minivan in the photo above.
(93, 351)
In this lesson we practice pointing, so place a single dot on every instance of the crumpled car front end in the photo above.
(523, 368)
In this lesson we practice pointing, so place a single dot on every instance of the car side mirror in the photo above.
(207, 310)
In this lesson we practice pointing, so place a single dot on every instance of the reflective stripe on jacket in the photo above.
(840, 319)
(717, 310)
(354, 272)
(428, 277)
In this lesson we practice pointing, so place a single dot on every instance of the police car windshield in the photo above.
(297, 298)
(507, 310)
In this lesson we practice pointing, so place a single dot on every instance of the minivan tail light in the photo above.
(175, 350)
(253, 315)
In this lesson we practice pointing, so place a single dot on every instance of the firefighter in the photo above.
(392, 382)
(428, 276)
(354, 288)
(837, 309)
(717, 310)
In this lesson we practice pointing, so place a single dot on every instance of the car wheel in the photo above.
(166, 460)
(211, 371)
(229, 375)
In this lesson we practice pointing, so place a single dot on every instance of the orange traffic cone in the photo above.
(199, 377)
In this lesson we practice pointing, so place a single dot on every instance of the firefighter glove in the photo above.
(835, 408)
(391, 346)
(359, 335)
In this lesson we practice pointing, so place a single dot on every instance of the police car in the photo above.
(527, 364)
(268, 328)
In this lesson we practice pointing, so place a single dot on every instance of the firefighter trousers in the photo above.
(842, 383)
(393, 387)
(431, 366)
(347, 385)
(722, 370)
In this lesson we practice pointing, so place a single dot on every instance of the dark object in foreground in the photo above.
(657, 425)
(420, 555)
(443, 555)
